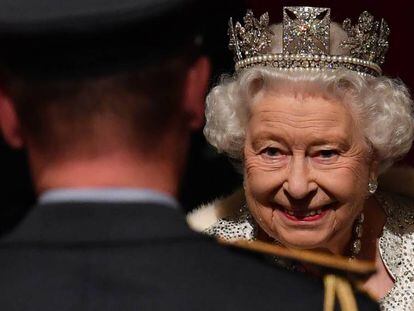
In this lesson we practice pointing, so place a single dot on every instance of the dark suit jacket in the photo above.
(137, 257)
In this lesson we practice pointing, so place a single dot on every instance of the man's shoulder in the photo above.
(131, 256)
(185, 273)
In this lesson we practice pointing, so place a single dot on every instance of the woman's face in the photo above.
(307, 168)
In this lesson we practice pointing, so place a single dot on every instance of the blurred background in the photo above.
(210, 175)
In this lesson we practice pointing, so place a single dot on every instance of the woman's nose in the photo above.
(298, 183)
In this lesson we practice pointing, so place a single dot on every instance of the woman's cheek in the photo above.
(258, 189)
(347, 183)
(259, 209)
(261, 182)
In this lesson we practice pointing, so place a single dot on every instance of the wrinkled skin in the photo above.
(304, 153)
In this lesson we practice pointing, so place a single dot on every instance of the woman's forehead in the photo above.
(299, 106)
(310, 116)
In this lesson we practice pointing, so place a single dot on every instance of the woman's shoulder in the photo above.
(227, 218)
(400, 212)
(397, 199)
(396, 247)
(206, 215)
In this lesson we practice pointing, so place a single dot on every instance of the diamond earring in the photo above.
(372, 186)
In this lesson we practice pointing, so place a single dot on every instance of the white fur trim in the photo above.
(207, 215)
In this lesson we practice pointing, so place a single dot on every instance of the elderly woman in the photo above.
(313, 123)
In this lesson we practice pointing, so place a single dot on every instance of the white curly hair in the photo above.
(382, 106)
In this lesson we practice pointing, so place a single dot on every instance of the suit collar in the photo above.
(106, 195)
(99, 223)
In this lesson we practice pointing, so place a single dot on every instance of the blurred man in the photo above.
(104, 95)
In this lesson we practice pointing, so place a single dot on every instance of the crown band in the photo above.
(311, 63)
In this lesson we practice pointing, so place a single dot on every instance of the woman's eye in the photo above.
(272, 152)
(327, 154)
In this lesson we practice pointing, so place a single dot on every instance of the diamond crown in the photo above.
(306, 41)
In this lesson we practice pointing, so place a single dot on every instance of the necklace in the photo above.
(357, 235)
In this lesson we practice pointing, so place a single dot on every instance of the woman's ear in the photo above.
(10, 123)
(195, 90)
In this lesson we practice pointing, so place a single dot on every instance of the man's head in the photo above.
(113, 100)
(137, 107)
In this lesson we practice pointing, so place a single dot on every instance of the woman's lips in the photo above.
(305, 215)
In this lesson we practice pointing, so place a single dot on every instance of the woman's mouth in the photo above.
(305, 215)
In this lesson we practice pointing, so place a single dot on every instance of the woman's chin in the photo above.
(301, 244)
(302, 237)
(302, 232)
(301, 240)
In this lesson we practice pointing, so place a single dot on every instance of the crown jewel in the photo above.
(253, 38)
(368, 39)
(306, 30)
(306, 41)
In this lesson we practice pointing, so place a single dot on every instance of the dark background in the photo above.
(210, 175)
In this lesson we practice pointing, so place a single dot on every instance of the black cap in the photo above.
(52, 39)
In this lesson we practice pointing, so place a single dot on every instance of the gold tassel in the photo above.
(329, 304)
(340, 287)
